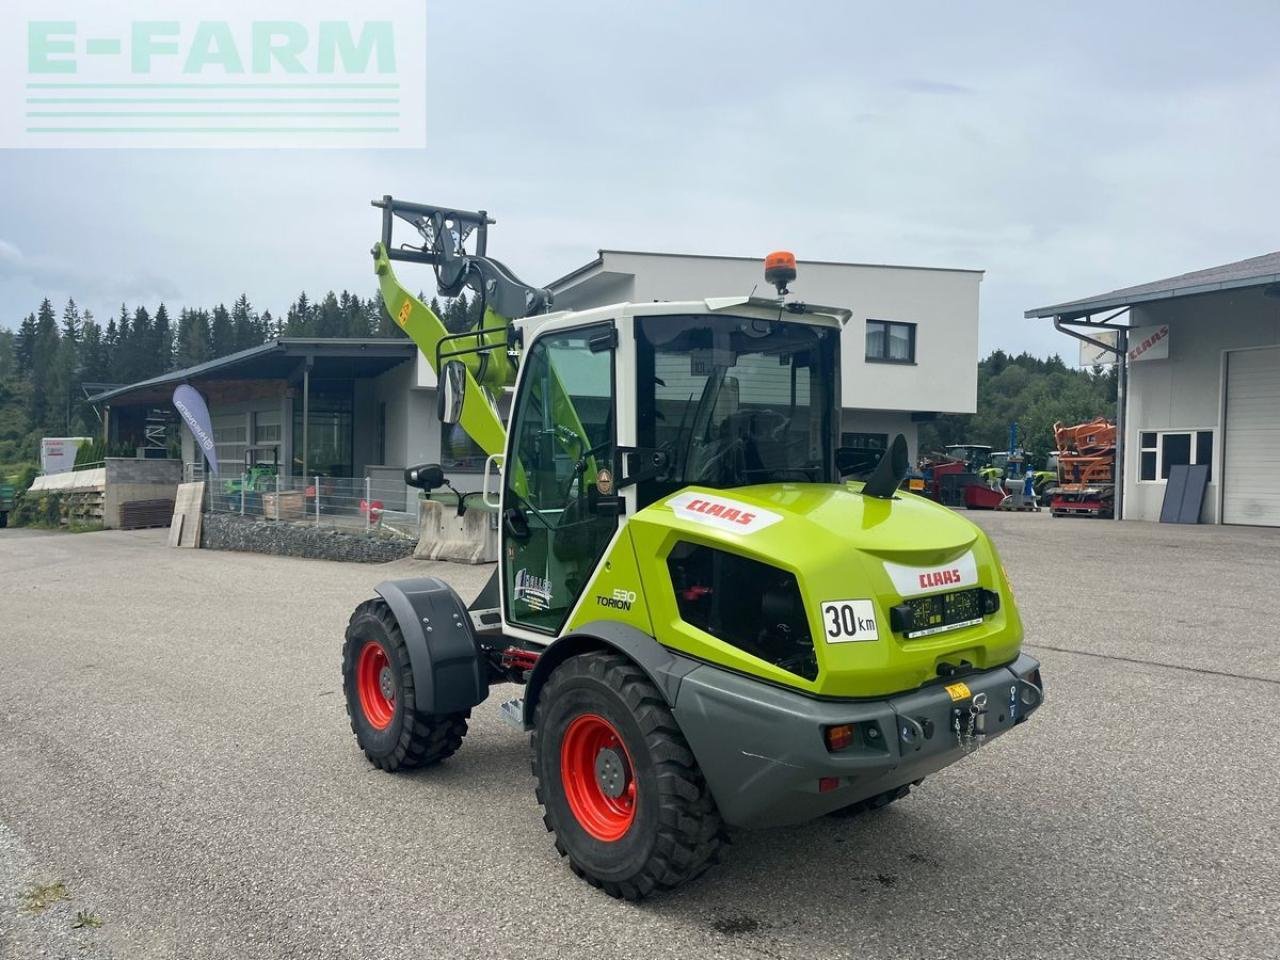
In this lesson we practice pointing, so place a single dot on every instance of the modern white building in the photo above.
(1203, 385)
(909, 353)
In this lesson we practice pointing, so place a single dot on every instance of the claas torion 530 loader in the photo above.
(711, 626)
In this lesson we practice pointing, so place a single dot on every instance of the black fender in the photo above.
(664, 667)
(449, 674)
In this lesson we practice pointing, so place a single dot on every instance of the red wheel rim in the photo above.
(375, 686)
(599, 781)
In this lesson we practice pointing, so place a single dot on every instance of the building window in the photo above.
(330, 430)
(229, 439)
(458, 452)
(1161, 451)
(891, 342)
(865, 441)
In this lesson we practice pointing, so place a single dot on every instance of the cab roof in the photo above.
(769, 308)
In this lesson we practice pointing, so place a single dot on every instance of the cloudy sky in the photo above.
(1066, 149)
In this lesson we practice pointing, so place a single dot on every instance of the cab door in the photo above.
(558, 512)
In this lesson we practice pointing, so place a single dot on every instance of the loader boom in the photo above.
(486, 351)
(486, 372)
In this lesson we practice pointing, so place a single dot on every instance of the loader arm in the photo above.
(489, 368)
(479, 417)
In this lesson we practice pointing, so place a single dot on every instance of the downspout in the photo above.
(1122, 397)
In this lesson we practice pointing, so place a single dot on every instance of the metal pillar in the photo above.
(306, 415)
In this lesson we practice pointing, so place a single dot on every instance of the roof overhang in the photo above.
(1123, 299)
(276, 360)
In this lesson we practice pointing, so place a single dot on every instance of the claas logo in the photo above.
(713, 509)
(939, 578)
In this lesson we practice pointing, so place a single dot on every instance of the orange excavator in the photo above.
(1086, 455)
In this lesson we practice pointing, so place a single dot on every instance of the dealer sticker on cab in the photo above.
(846, 621)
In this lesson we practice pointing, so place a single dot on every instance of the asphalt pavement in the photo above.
(174, 751)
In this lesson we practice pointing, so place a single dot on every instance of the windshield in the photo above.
(731, 401)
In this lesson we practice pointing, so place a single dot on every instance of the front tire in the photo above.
(377, 679)
(619, 786)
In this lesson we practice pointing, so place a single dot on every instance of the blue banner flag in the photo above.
(196, 416)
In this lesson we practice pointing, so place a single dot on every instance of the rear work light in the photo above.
(839, 737)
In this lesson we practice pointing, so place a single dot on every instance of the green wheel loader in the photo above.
(711, 626)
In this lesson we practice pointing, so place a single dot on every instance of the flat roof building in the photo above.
(909, 353)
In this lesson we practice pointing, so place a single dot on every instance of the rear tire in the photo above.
(377, 679)
(618, 783)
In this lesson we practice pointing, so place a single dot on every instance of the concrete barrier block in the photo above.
(472, 538)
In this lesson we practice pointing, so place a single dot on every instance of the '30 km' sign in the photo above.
(845, 621)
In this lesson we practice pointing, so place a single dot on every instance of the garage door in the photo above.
(1251, 449)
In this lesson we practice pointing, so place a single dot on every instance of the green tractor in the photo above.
(712, 627)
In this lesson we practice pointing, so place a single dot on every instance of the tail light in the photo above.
(839, 737)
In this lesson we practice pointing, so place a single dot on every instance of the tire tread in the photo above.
(690, 831)
(425, 739)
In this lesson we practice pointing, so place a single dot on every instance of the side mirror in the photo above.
(451, 391)
(425, 476)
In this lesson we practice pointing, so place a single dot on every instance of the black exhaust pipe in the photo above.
(889, 472)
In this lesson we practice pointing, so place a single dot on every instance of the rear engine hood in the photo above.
(812, 521)
(843, 548)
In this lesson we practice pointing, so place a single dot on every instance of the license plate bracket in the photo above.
(941, 612)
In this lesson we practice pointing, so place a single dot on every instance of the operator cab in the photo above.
(618, 407)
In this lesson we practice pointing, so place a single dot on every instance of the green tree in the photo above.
(194, 342)
(246, 325)
(457, 314)
(1031, 392)
(25, 344)
(44, 362)
(8, 355)
(161, 355)
(298, 321)
(329, 319)
(221, 333)
(71, 322)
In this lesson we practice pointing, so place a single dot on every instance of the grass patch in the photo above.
(86, 918)
(39, 896)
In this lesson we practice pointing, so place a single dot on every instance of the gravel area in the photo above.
(174, 749)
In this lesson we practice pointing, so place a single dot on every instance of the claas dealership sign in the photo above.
(1149, 343)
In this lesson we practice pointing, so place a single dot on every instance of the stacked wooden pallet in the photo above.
(83, 507)
(141, 514)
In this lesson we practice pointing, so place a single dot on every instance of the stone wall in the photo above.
(129, 479)
(222, 531)
(133, 470)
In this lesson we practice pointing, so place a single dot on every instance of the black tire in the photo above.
(411, 738)
(676, 831)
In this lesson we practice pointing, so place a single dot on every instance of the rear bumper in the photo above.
(763, 752)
